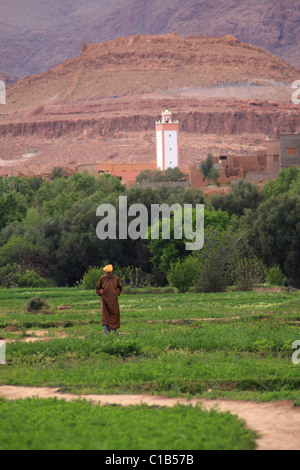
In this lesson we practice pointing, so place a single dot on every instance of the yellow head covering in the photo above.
(108, 269)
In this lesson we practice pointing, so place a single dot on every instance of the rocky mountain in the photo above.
(103, 104)
(35, 35)
(168, 64)
(6, 78)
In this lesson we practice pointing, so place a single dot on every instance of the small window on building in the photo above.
(276, 158)
(291, 151)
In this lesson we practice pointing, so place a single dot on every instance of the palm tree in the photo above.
(58, 172)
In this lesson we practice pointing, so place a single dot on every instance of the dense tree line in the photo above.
(48, 231)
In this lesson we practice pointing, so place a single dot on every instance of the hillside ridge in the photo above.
(35, 36)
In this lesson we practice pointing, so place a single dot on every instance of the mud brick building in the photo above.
(289, 150)
(256, 168)
(263, 165)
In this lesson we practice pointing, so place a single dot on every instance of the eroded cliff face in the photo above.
(270, 123)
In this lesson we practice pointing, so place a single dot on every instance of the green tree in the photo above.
(33, 217)
(274, 230)
(145, 176)
(35, 182)
(294, 189)
(110, 184)
(218, 258)
(166, 252)
(60, 204)
(206, 166)
(15, 184)
(11, 209)
(214, 175)
(283, 182)
(155, 176)
(275, 276)
(13, 275)
(208, 170)
(82, 183)
(49, 190)
(244, 195)
(25, 254)
(248, 273)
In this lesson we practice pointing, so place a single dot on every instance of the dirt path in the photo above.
(278, 423)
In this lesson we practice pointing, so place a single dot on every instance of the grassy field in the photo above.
(54, 424)
(236, 345)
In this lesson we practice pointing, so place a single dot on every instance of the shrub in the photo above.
(275, 276)
(134, 277)
(171, 174)
(183, 274)
(12, 276)
(264, 345)
(25, 254)
(249, 272)
(31, 279)
(91, 277)
(36, 304)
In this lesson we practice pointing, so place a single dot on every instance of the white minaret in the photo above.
(167, 145)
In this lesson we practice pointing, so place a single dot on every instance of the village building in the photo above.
(126, 172)
(289, 150)
(256, 168)
(167, 155)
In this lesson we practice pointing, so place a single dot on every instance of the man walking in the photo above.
(109, 288)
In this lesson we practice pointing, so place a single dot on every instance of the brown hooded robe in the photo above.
(109, 288)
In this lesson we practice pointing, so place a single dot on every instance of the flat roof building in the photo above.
(289, 150)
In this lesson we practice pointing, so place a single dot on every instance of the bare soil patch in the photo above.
(35, 335)
(277, 423)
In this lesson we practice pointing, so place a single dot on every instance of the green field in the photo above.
(236, 345)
